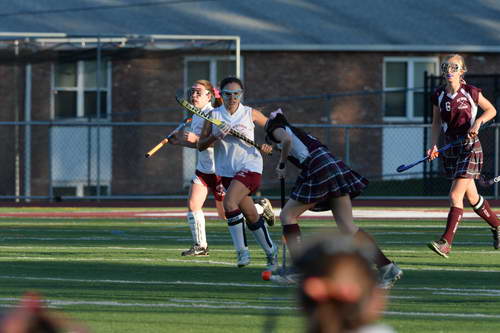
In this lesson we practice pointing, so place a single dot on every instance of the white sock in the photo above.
(237, 230)
(196, 221)
(262, 236)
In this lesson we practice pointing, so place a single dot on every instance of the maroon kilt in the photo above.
(322, 177)
(464, 159)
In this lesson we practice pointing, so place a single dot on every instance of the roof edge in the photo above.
(370, 47)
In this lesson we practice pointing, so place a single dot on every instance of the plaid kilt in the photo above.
(464, 159)
(322, 177)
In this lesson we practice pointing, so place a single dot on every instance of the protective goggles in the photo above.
(198, 92)
(450, 68)
(226, 93)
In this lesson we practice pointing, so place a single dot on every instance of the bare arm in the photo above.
(286, 143)
(206, 138)
(258, 118)
(188, 139)
(282, 137)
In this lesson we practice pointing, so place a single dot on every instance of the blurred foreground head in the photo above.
(338, 290)
(30, 316)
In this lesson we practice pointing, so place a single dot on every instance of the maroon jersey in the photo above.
(458, 111)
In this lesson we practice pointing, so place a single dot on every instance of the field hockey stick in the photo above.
(283, 240)
(191, 108)
(404, 167)
(163, 142)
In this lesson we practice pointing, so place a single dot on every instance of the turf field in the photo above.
(120, 270)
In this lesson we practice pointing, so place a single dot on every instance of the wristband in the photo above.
(281, 165)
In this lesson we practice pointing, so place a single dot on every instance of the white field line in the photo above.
(57, 259)
(203, 305)
(357, 214)
(467, 294)
(438, 314)
(157, 249)
(186, 283)
(211, 262)
(458, 290)
(163, 305)
(107, 248)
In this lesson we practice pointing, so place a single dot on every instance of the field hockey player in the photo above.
(325, 183)
(240, 166)
(455, 111)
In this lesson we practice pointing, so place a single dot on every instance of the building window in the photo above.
(404, 87)
(75, 89)
(213, 69)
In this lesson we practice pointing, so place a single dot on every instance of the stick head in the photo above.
(402, 168)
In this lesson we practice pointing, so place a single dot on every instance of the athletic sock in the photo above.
(236, 225)
(483, 209)
(261, 235)
(293, 239)
(201, 235)
(454, 217)
(380, 259)
(191, 219)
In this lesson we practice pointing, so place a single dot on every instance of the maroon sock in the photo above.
(293, 239)
(454, 217)
(380, 258)
(483, 209)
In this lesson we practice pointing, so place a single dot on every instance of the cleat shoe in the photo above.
(243, 258)
(441, 247)
(196, 251)
(268, 212)
(496, 237)
(388, 275)
(272, 259)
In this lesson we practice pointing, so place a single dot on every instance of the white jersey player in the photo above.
(240, 168)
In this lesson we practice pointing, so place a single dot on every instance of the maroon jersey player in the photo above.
(455, 111)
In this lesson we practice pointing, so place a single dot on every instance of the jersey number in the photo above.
(447, 105)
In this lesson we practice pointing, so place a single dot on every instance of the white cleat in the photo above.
(243, 258)
(388, 275)
(272, 259)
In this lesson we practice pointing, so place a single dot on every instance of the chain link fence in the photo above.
(88, 160)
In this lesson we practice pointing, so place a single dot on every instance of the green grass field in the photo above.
(126, 275)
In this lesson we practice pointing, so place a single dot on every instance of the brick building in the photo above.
(294, 54)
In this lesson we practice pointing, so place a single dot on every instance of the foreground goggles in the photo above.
(226, 93)
(198, 92)
(450, 68)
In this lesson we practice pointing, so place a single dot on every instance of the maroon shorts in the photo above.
(211, 181)
(248, 178)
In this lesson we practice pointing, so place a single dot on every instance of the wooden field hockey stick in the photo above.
(404, 167)
(191, 108)
(163, 142)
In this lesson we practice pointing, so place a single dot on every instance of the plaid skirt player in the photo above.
(325, 183)
(455, 112)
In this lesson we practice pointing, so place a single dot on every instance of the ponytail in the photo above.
(217, 98)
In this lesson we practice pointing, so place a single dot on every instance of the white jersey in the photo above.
(232, 155)
(205, 158)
